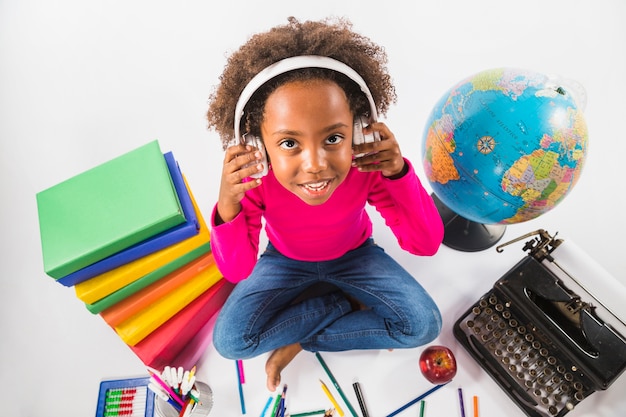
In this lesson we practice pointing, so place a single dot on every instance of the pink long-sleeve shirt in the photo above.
(327, 231)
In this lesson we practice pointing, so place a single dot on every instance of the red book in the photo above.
(160, 347)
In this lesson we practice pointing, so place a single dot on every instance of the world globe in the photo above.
(502, 146)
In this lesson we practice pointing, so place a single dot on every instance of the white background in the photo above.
(84, 81)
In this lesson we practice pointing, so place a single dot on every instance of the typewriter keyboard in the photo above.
(523, 358)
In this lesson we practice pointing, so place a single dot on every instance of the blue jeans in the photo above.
(271, 308)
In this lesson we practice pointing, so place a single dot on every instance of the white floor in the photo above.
(83, 82)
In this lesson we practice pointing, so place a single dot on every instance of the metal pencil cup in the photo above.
(202, 409)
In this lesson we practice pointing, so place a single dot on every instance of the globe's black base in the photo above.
(467, 235)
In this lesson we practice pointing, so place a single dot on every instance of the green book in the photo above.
(106, 209)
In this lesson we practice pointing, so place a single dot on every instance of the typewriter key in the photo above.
(553, 410)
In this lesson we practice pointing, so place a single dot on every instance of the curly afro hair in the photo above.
(333, 38)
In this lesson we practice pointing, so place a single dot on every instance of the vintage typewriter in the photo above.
(542, 336)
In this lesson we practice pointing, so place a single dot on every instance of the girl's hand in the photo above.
(232, 186)
(383, 155)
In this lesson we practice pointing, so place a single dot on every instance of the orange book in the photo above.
(137, 327)
(132, 305)
(187, 334)
(105, 284)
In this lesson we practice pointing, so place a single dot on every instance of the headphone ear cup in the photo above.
(358, 137)
(357, 131)
(258, 143)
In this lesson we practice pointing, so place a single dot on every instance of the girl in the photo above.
(321, 284)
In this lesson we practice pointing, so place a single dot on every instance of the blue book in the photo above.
(185, 230)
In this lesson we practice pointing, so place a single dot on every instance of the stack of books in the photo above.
(129, 237)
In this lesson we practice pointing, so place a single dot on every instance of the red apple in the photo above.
(438, 364)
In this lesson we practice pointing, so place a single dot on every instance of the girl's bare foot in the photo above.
(277, 361)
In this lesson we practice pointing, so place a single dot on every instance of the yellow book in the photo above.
(98, 287)
(134, 329)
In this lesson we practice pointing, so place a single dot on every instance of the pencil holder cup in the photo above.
(201, 409)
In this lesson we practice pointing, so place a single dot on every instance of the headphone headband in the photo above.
(293, 63)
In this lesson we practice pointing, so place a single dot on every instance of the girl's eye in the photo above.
(288, 144)
(334, 139)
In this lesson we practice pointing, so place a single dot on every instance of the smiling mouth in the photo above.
(316, 187)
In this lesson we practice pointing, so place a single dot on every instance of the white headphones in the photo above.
(290, 64)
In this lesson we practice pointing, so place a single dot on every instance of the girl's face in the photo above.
(307, 131)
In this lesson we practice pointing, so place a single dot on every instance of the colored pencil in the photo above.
(421, 397)
(275, 407)
(461, 402)
(166, 387)
(309, 413)
(475, 406)
(242, 376)
(360, 399)
(240, 385)
(331, 398)
(267, 406)
(336, 384)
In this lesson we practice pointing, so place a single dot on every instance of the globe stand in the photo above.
(467, 235)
